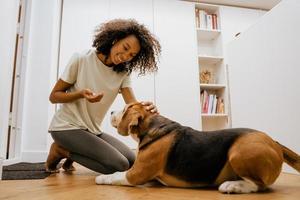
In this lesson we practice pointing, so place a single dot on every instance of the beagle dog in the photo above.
(237, 160)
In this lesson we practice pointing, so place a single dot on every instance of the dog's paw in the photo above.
(103, 180)
(240, 187)
(117, 178)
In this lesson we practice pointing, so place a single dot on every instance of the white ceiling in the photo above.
(258, 4)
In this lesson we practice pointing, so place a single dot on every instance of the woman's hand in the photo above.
(91, 96)
(150, 106)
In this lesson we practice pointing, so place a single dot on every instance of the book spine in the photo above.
(202, 19)
(209, 24)
(197, 17)
(214, 21)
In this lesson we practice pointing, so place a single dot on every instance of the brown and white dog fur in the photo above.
(234, 160)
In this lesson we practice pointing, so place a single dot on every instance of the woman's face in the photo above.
(124, 50)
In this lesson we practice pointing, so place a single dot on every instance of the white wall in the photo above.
(177, 81)
(8, 20)
(264, 75)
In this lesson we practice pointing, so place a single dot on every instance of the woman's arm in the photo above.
(59, 94)
(129, 97)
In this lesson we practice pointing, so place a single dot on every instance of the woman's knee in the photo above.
(131, 158)
(120, 164)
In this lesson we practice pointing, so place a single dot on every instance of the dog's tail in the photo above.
(290, 157)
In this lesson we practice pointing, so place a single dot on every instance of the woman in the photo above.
(88, 87)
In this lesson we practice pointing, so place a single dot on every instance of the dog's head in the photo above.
(130, 120)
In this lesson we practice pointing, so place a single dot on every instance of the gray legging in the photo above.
(101, 153)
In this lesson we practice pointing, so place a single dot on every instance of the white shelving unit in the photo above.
(207, 34)
(211, 60)
(212, 86)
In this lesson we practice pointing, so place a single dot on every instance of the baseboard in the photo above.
(29, 156)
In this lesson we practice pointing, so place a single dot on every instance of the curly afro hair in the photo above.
(114, 30)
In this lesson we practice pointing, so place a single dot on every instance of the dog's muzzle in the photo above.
(115, 118)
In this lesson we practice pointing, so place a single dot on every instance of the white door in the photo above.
(12, 138)
(80, 17)
(264, 75)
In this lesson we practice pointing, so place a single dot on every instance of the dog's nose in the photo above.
(112, 112)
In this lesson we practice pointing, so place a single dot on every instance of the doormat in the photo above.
(23, 171)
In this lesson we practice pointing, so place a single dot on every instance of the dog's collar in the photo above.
(143, 134)
(159, 127)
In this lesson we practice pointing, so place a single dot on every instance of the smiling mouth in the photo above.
(118, 59)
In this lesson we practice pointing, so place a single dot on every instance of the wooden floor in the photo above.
(80, 185)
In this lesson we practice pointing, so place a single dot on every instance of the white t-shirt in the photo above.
(86, 71)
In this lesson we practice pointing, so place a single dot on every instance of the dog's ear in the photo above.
(129, 123)
(123, 127)
(133, 126)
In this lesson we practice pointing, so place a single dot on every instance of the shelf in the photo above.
(206, 34)
(209, 60)
(207, 7)
(213, 115)
(212, 86)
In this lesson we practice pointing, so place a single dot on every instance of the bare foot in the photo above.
(68, 165)
(52, 171)
(55, 155)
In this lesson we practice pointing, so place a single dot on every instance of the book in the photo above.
(202, 19)
(220, 106)
(214, 21)
(205, 101)
(214, 107)
(197, 17)
(210, 103)
(209, 23)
